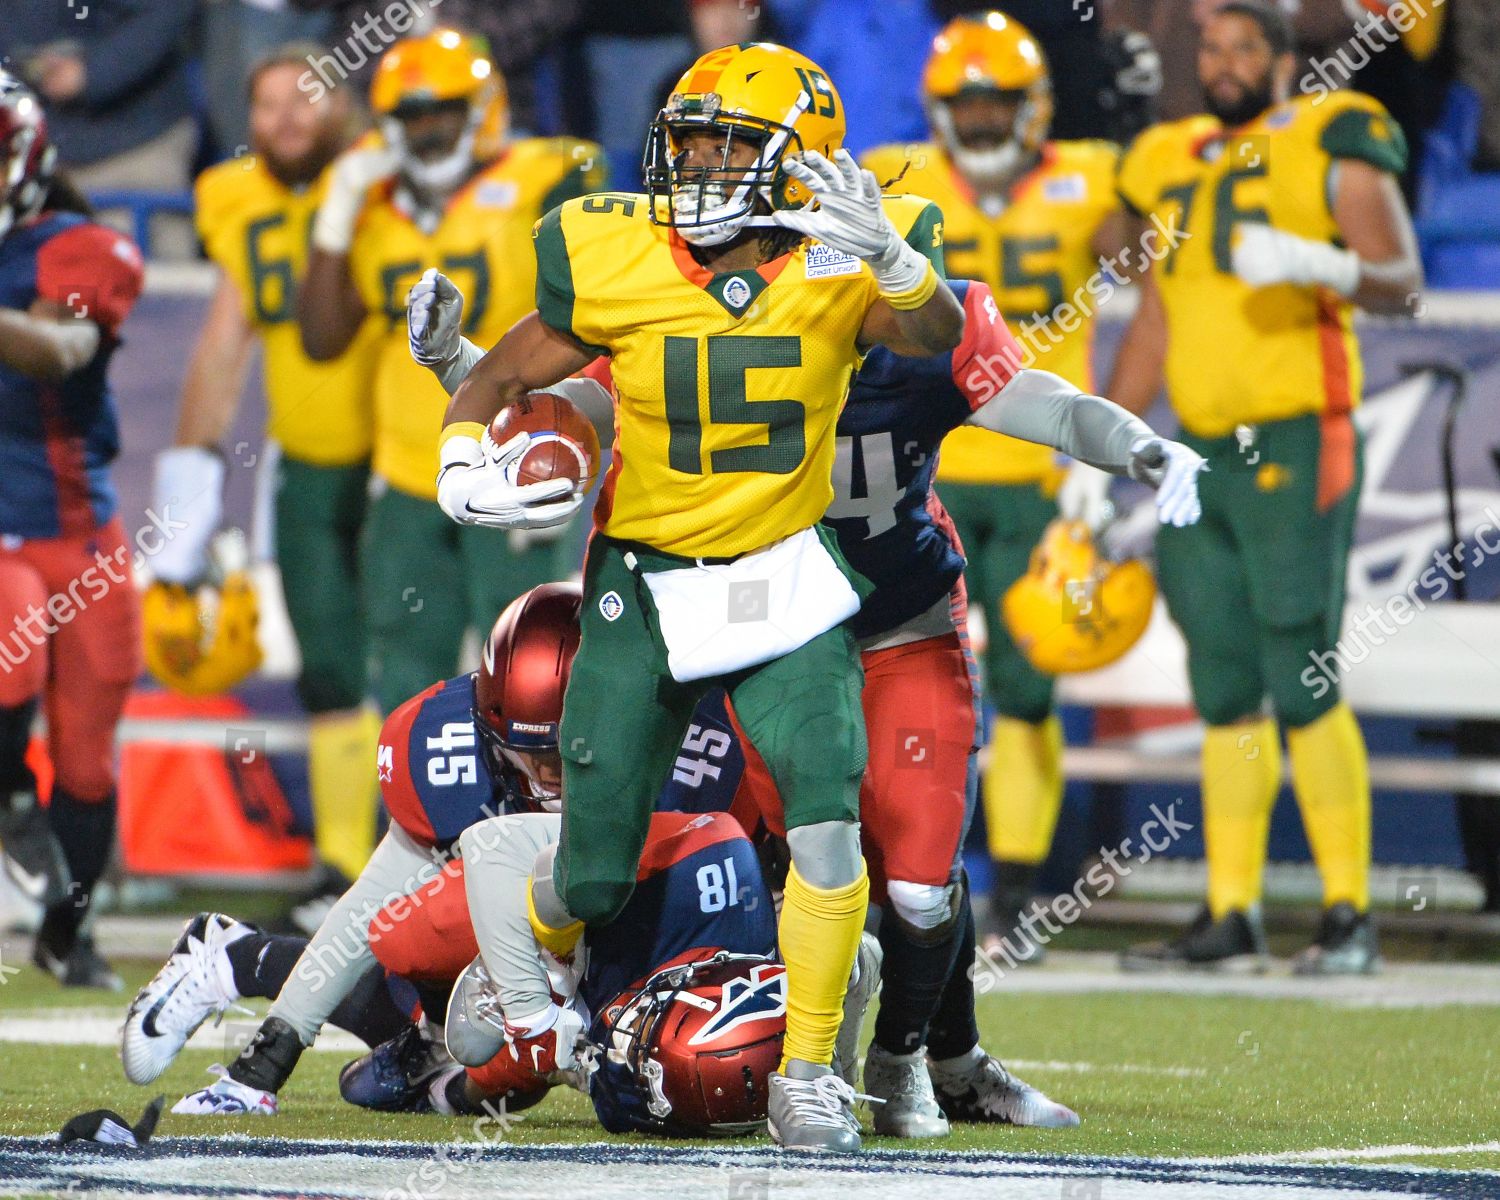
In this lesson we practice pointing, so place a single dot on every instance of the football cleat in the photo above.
(29, 854)
(813, 1116)
(396, 1075)
(197, 982)
(78, 966)
(864, 985)
(1345, 945)
(227, 1098)
(901, 1081)
(474, 1028)
(977, 1087)
(1236, 943)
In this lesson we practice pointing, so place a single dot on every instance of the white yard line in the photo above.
(1351, 1154)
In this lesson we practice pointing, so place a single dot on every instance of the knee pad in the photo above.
(826, 854)
(927, 912)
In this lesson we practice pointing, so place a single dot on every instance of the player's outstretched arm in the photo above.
(914, 316)
(47, 343)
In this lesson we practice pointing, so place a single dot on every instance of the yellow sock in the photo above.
(1023, 788)
(1241, 775)
(559, 940)
(341, 750)
(819, 938)
(1331, 775)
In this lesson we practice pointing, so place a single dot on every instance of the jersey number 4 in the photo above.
(730, 357)
(864, 481)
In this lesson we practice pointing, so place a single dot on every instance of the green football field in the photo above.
(1376, 1071)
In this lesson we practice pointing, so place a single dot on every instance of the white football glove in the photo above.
(1263, 255)
(1084, 496)
(850, 217)
(188, 488)
(353, 174)
(476, 486)
(227, 1098)
(434, 319)
(1172, 469)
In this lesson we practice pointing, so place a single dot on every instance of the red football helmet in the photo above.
(518, 693)
(700, 1038)
(28, 156)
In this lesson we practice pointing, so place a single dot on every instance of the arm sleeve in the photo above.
(135, 49)
(94, 271)
(989, 356)
(500, 855)
(1038, 406)
(339, 953)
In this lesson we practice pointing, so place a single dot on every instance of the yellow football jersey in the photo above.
(482, 243)
(256, 229)
(1238, 354)
(1035, 255)
(728, 385)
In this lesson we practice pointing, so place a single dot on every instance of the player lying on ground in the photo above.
(711, 300)
(918, 697)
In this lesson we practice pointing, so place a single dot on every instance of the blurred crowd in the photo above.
(143, 93)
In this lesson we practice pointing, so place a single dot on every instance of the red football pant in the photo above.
(70, 632)
(919, 720)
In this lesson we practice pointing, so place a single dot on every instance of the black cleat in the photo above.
(77, 966)
(29, 852)
(1235, 943)
(1345, 945)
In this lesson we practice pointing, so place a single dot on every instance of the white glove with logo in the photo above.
(434, 319)
(476, 486)
(353, 174)
(1084, 496)
(850, 217)
(188, 489)
(1263, 256)
(1172, 469)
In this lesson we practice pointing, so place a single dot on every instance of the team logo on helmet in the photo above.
(759, 996)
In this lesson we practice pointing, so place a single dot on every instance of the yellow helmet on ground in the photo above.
(442, 68)
(780, 101)
(989, 53)
(202, 641)
(1073, 610)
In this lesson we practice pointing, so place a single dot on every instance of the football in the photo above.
(564, 443)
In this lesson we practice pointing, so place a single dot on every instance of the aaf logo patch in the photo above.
(736, 293)
(611, 607)
(761, 997)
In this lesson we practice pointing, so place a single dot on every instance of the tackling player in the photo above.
(1294, 218)
(452, 190)
(69, 614)
(255, 215)
(733, 312)
(1030, 217)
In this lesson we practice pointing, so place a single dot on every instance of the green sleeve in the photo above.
(591, 175)
(1367, 136)
(926, 237)
(554, 273)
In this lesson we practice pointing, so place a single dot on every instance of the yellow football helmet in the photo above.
(202, 641)
(1073, 610)
(989, 53)
(442, 68)
(780, 101)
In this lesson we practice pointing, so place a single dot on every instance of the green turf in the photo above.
(1269, 1076)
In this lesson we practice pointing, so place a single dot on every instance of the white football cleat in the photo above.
(196, 983)
(864, 985)
(227, 1098)
(908, 1108)
(977, 1087)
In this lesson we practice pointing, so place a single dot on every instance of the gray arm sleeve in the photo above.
(339, 953)
(453, 373)
(500, 855)
(1038, 406)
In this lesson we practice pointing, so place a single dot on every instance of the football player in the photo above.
(69, 614)
(733, 310)
(1031, 217)
(1292, 218)
(918, 699)
(254, 215)
(454, 190)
